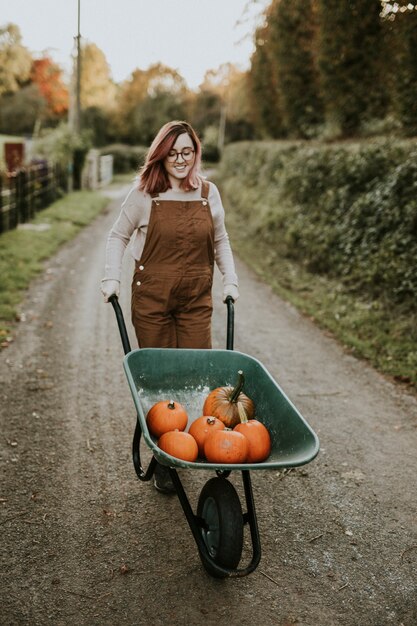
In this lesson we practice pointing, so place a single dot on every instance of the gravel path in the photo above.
(83, 542)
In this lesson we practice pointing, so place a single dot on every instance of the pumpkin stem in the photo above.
(238, 388)
(242, 413)
(171, 404)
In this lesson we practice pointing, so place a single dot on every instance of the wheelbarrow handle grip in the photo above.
(121, 323)
(230, 322)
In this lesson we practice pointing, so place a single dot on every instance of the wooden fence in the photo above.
(28, 190)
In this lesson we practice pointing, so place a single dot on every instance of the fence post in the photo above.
(14, 201)
(22, 210)
(47, 174)
(1, 205)
(31, 193)
(18, 194)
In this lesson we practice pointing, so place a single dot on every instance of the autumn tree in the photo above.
(97, 86)
(97, 93)
(147, 100)
(15, 60)
(47, 75)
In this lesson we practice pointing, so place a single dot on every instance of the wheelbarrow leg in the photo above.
(142, 474)
(250, 516)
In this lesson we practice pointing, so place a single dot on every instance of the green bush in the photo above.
(211, 153)
(126, 158)
(348, 210)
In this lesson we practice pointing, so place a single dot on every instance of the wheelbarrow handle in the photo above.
(125, 338)
(230, 322)
(121, 323)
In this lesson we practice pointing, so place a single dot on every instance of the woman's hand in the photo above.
(232, 291)
(109, 288)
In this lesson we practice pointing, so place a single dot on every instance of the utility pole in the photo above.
(74, 113)
(78, 84)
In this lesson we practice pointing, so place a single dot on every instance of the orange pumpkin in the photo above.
(222, 403)
(202, 427)
(258, 437)
(226, 446)
(179, 444)
(165, 416)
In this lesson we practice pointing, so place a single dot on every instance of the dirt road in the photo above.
(85, 543)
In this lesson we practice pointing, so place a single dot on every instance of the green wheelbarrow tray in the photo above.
(187, 376)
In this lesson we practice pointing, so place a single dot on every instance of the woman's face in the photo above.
(180, 158)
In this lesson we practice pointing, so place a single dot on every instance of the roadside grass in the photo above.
(370, 329)
(23, 250)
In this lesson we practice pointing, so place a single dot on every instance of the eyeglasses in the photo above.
(186, 154)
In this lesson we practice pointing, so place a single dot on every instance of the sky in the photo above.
(191, 36)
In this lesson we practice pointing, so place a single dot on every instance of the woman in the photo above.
(178, 220)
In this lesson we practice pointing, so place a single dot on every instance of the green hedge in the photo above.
(347, 210)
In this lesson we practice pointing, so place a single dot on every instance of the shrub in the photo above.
(348, 210)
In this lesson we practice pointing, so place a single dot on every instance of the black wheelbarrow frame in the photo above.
(217, 527)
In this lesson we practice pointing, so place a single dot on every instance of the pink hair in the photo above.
(153, 175)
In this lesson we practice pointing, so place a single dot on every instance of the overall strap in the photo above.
(204, 189)
(154, 194)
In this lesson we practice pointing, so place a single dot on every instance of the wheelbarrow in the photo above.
(155, 374)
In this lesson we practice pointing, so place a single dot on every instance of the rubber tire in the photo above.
(219, 506)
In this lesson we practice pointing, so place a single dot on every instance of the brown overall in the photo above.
(171, 288)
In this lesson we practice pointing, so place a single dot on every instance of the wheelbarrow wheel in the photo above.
(221, 512)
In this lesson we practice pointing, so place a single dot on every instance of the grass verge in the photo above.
(369, 329)
(23, 250)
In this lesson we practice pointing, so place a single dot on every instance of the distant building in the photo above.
(14, 152)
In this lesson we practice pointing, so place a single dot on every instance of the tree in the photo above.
(20, 111)
(350, 46)
(292, 35)
(48, 77)
(265, 104)
(230, 89)
(401, 49)
(97, 122)
(97, 86)
(203, 109)
(152, 113)
(15, 60)
(239, 124)
(148, 99)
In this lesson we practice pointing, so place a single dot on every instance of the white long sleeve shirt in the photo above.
(134, 219)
